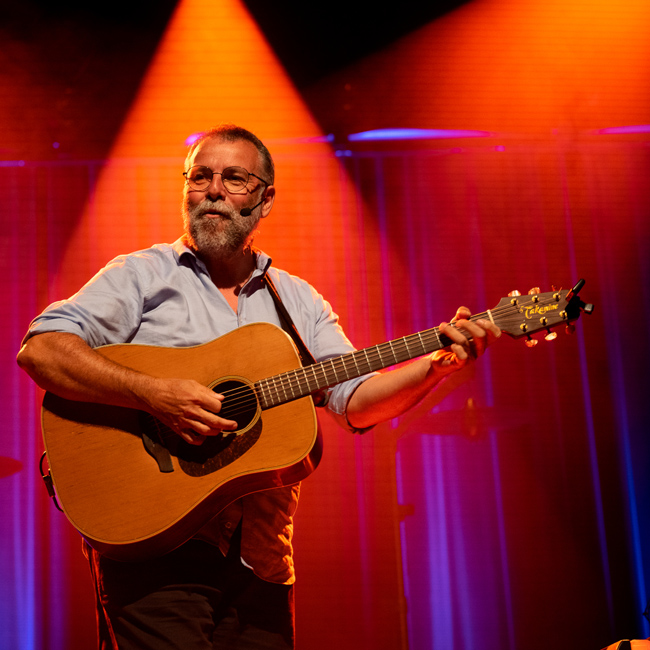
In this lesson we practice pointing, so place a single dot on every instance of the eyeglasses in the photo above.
(234, 179)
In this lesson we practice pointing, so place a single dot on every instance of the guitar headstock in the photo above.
(519, 316)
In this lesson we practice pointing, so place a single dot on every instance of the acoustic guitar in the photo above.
(134, 489)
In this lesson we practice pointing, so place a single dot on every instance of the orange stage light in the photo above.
(514, 66)
(213, 65)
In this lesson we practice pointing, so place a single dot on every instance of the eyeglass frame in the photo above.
(187, 180)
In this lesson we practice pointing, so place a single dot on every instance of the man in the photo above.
(231, 585)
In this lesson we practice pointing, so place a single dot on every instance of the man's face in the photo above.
(212, 216)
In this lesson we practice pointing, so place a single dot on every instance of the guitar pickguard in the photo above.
(215, 453)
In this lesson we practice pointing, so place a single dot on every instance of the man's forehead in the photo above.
(237, 152)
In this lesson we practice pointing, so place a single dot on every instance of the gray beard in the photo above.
(217, 236)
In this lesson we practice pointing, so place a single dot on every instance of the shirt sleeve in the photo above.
(319, 327)
(333, 338)
(108, 309)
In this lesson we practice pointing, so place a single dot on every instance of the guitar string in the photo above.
(252, 401)
(375, 351)
(291, 380)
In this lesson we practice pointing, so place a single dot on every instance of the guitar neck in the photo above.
(516, 315)
(288, 386)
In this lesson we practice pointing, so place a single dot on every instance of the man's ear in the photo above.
(269, 198)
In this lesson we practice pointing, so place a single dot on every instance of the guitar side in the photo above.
(115, 494)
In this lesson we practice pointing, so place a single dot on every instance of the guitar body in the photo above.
(129, 503)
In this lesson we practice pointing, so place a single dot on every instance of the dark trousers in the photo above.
(191, 599)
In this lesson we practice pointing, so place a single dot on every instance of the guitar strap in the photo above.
(306, 357)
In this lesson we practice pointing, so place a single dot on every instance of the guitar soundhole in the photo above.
(240, 404)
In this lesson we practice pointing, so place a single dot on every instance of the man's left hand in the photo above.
(470, 340)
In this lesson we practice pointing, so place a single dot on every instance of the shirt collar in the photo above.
(181, 249)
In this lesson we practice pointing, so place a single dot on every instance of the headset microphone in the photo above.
(246, 212)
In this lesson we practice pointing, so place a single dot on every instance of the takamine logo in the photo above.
(529, 312)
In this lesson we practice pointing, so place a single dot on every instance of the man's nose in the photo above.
(216, 188)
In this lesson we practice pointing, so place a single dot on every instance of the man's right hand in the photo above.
(65, 365)
(188, 408)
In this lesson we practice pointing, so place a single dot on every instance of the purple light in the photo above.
(639, 128)
(415, 134)
(191, 139)
(318, 138)
(55, 145)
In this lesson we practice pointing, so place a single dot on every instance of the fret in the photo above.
(367, 360)
(325, 378)
(424, 347)
(341, 361)
(263, 399)
(315, 376)
(276, 380)
(259, 391)
(390, 343)
(381, 358)
(272, 398)
(379, 363)
(303, 382)
(307, 381)
(344, 365)
(288, 376)
(408, 350)
(277, 385)
(344, 362)
(404, 347)
(356, 365)
(331, 361)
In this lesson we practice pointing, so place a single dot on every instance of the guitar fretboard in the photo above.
(517, 316)
(294, 384)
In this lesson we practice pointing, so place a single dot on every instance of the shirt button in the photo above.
(228, 525)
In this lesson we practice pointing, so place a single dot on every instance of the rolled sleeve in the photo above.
(108, 309)
(320, 329)
(338, 402)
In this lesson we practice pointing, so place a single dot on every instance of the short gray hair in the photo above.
(233, 133)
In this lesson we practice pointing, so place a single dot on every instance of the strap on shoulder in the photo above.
(306, 357)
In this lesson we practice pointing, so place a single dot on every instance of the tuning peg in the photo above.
(550, 336)
(530, 342)
(570, 328)
(514, 295)
(534, 291)
(587, 307)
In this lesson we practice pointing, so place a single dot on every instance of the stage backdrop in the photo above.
(513, 514)
(522, 527)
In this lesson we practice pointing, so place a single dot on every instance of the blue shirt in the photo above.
(164, 296)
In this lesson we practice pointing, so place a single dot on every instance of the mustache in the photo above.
(210, 206)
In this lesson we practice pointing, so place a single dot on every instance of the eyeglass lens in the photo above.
(235, 179)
